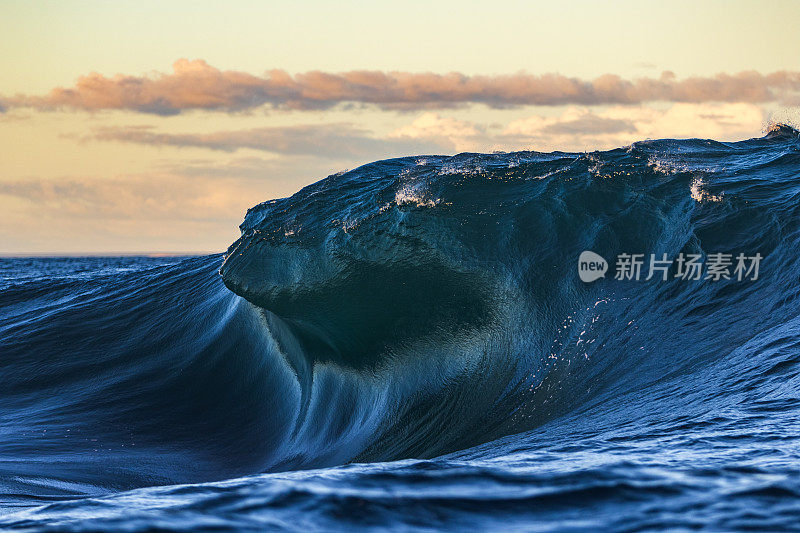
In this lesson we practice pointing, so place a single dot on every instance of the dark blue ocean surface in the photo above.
(408, 345)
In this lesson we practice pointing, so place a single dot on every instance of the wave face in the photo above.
(409, 344)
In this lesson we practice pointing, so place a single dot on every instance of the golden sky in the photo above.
(135, 127)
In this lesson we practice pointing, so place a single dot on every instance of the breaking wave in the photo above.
(410, 309)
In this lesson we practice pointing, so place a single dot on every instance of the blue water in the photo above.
(408, 345)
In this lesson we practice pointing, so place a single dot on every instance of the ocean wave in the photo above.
(410, 309)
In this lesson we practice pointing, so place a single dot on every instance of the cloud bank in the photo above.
(196, 85)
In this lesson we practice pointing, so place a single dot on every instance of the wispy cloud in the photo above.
(148, 213)
(575, 128)
(165, 197)
(579, 128)
(334, 141)
(196, 85)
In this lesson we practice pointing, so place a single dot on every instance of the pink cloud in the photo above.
(196, 85)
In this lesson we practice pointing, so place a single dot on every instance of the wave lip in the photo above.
(368, 282)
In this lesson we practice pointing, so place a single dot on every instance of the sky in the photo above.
(152, 126)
